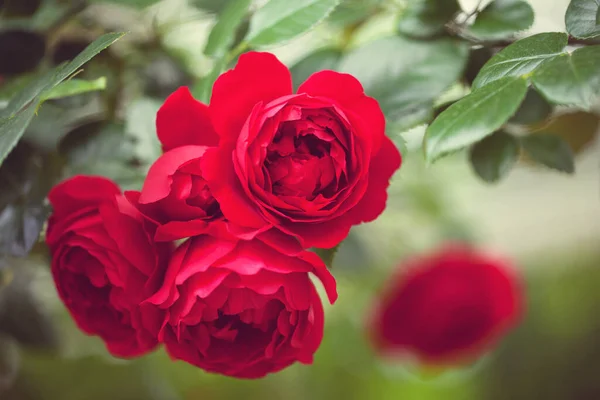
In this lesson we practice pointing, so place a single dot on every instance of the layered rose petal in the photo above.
(310, 165)
(241, 308)
(257, 78)
(182, 121)
(448, 307)
(104, 262)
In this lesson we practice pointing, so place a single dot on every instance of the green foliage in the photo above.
(474, 117)
(408, 75)
(493, 157)
(426, 18)
(74, 87)
(533, 109)
(318, 61)
(223, 34)
(571, 78)
(20, 110)
(583, 19)
(327, 255)
(282, 20)
(549, 150)
(522, 57)
(502, 18)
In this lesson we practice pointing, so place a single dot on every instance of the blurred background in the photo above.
(548, 222)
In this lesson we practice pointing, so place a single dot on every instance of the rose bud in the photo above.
(104, 262)
(310, 164)
(241, 308)
(448, 307)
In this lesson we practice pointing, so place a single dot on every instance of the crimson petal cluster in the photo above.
(209, 258)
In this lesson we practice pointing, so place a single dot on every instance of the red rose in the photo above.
(448, 307)
(311, 164)
(241, 308)
(104, 262)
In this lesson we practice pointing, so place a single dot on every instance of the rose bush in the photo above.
(241, 308)
(310, 164)
(104, 262)
(447, 307)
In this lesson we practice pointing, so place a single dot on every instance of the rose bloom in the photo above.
(447, 307)
(104, 262)
(241, 308)
(310, 164)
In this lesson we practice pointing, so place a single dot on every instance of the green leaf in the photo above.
(223, 33)
(474, 117)
(13, 127)
(281, 20)
(571, 79)
(582, 18)
(327, 255)
(551, 151)
(319, 60)
(408, 75)
(59, 74)
(350, 12)
(426, 18)
(522, 57)
(494, 156)
(73, 87)
(533, 109)
(501, 19)
(578, 129)
(202, 90)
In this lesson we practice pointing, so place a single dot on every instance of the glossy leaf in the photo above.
(502, 18)
(59, 74)
(582, 19)
(474, 117)
(426, 18)
(521, 57)
(282, 20)
(223, 33)
(493, 157)
(571, 79)
(73, 87)
(319, 60)
(408, 75)
(549, 150)
(13, 127)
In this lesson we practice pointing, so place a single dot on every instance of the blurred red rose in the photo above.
(241, 308)
(310, 164)
(104, 262)
(448, 307)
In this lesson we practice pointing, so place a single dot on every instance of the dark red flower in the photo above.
(104, 262)
(448, 307)
(310, 164)
(241, 308)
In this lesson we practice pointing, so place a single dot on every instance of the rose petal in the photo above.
(157, 184)
(182, 120)
(257, 77)
(79, 192)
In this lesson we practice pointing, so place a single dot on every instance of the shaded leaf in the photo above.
(474, 117)
(223, 33)
(581, 19)
(13, 127)
(578, 128)
(522, 57)
(502, 18)
(319, 60)
(478, 57)
(282, 20)
(408, 75)
(533, 109)
(426, 18)
(493, 157)
(549, 150)
(571, 79)
(74, 87)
